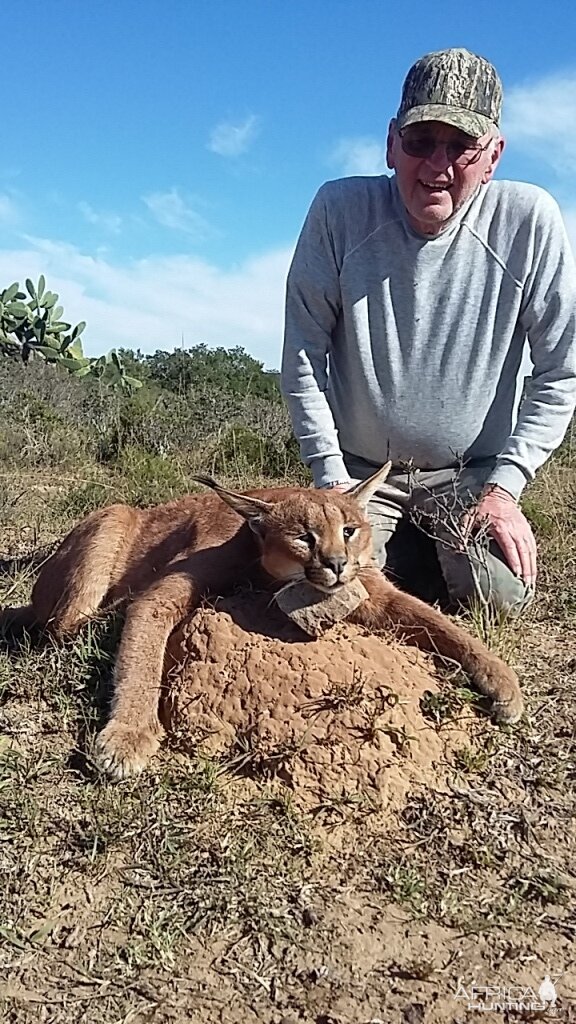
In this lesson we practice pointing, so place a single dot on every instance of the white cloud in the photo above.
(361, 155)
(540, 118)
(109, 221)
(151, 303)
(172, 211)
(8, 209)
(229, 139)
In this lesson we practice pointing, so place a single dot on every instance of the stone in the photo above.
(316, 612)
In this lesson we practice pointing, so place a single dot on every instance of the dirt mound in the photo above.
(335, 718)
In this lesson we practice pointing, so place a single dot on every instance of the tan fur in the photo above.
(159, 562)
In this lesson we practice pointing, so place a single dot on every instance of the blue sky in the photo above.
(158, 158)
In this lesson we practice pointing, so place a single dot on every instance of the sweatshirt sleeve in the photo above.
(313, 304)
(549, 318)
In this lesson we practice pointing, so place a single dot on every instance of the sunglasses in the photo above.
(458, 151)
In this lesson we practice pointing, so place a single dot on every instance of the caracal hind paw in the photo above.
(124, 750)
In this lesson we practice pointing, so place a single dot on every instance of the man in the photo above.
(410, 301)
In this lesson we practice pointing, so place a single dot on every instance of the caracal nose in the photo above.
(337, 563)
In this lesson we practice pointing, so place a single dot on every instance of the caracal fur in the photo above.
(159, 563)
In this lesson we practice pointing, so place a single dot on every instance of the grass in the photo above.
(195, 893)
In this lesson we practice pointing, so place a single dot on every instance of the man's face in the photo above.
(433, 188)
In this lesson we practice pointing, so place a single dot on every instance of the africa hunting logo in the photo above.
(498, 998)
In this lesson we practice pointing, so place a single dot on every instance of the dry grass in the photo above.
(192, 894)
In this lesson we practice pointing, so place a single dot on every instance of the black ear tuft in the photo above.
(245, 505)
(207, 481)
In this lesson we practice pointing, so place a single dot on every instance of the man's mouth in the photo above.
(436, 186)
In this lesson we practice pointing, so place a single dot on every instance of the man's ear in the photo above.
(495, 156)
(390, 145)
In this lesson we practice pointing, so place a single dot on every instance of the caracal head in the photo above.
(322, 536)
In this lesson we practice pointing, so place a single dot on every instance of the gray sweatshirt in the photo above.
(410, 348)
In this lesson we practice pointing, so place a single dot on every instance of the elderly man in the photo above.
(411, 301)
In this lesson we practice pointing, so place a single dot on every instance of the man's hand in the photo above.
(339, 485)
(508, 526)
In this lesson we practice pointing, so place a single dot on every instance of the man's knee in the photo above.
(483, 576)
(384, 520)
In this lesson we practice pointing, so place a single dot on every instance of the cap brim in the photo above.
(475, 125)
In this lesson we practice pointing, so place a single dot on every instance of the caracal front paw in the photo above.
(123, 750)
(507, 701)
(508, 710)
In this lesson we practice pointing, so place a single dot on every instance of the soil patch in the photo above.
(340, 715)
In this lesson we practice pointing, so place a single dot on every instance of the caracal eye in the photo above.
(349, 532)
(307, 538)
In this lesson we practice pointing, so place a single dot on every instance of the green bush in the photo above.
(147, 479)
(49, 418)
(242, 452)
(79, 501)
(35, 435)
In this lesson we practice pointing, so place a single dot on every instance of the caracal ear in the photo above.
(363, 491)
(249, 508)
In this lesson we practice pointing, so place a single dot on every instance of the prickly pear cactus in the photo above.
(31, 325)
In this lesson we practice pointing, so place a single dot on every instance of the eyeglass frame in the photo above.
(478, 150)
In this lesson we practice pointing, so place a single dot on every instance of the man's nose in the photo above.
(439, 160)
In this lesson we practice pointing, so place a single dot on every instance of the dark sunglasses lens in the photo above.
(456, 150)
(420, 146)
(423, 146)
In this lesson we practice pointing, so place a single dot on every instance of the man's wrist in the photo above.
(493, 488)
(336, 483)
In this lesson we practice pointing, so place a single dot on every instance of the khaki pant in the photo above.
(434, 501)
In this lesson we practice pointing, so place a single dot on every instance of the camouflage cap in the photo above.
(453, 86)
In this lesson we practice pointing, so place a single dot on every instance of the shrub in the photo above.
(242, 452)
(147, 479)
